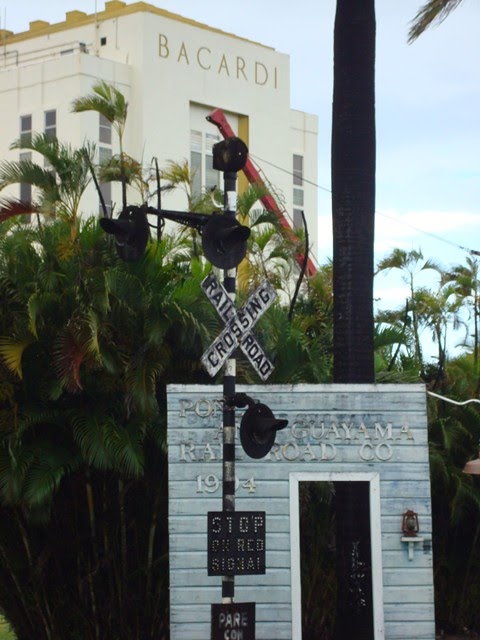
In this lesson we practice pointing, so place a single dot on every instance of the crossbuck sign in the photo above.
(238, 325)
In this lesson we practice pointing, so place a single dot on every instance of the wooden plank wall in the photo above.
(401, 460)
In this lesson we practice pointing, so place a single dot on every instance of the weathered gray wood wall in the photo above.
(355, 429)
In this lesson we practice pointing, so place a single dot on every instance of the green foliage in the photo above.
(5, 631)
(87, 344)
(454, 433)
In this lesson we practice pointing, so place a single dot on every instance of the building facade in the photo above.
(173, 72)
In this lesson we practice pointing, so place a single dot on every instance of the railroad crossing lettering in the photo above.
(238, 325)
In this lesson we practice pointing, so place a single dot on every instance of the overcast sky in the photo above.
(427, 97)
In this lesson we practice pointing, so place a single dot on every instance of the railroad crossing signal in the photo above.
(131, 233)
(238, 323)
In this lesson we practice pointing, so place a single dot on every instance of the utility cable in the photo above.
(460, 404)
(385, 215)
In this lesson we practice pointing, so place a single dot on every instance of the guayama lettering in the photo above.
(321, 428)
(232, 66)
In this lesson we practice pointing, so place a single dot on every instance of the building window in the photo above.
(26, 129)
(298, 170)
(26, 189)
(297, 219)
(204, 176)
(103, 41)
(297, 191)
(104, 156)
(196, 161)
(212, 176)
(105, 130)
(51, 124)
(298, 197)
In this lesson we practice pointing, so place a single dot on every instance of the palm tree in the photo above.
(438, 311)
(60, 183)
(433, 11)
(353, 189)
(411, 263)
(353, 210)
(109, 102)
(271, 253)
(466, 280)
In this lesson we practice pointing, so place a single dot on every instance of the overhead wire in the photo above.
(460, 404)
(385, 215)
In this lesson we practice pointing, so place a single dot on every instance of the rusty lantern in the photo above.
(410, 523)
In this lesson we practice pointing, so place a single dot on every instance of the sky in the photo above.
(427, 112)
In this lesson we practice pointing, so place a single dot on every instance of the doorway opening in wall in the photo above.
(319, 508)
(317, 559)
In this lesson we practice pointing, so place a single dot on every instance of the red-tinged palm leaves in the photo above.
(11, 208)
(59, 185)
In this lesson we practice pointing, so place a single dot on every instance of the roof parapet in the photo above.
(75, 16)
(36, 25)
(114, 5)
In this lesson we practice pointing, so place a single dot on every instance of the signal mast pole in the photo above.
(229, 388)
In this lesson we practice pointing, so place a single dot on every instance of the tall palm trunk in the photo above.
(353, 189)
(353, 209)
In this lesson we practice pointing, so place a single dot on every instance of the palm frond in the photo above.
(106, 444)
(125, 287)
(14, 464)
(68, 355)
(177, 174)
(125, 445)
(141, 376)
(11, 352)
(89, 434)
(27, 172)
(118, 168)
(248, 198)
(105, 99)
(433, 11)
(388, 336)
(46, 471)
(11, 207)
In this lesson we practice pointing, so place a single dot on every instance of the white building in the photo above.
(173, 72)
